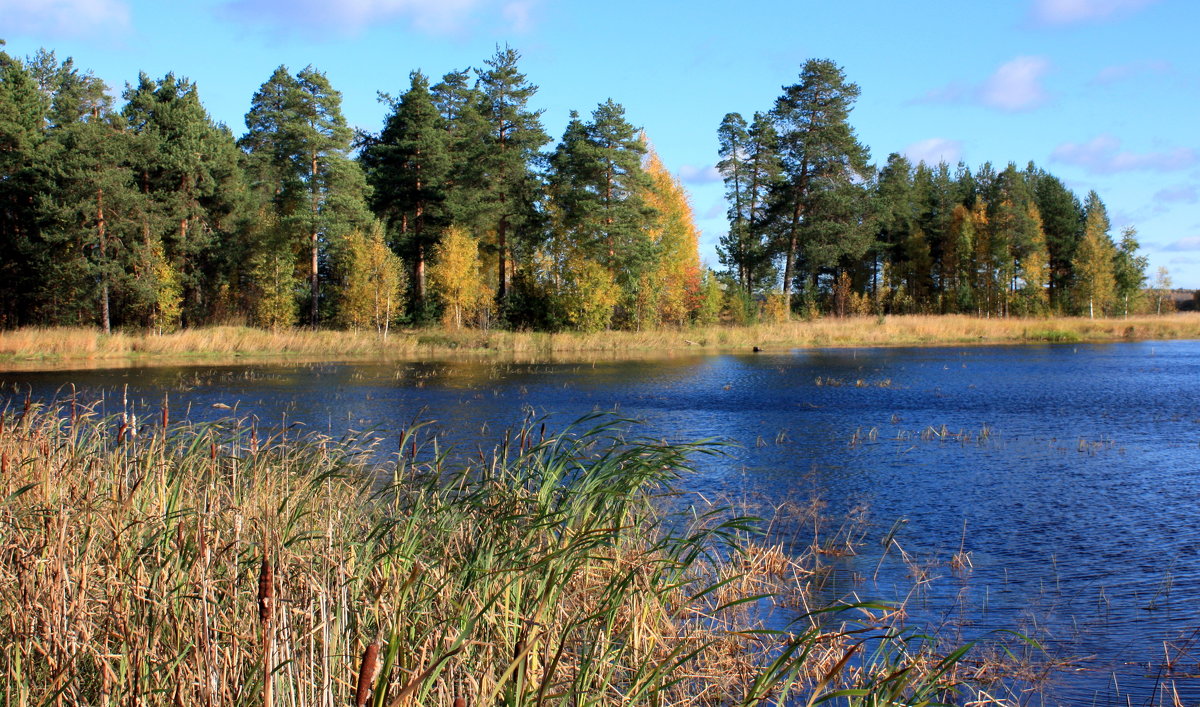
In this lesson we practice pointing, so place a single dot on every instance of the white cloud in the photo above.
(1185, 194)
(935, 150)
(353, 16)
(1103, 155)
(1184, 244)
(717, 210)
(519, 14)
(55, 19)
(1067, 12)
(1017, 85)
(1122, 72)
(1014, 86)
(699, 175)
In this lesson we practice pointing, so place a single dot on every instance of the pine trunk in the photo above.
(102, 229)
(315, 283)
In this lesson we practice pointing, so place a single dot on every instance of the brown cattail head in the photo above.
(366, 674)
(4, 463)
(460, 702)
(266, 592)
(212, 450)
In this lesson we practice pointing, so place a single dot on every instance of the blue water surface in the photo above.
(1068, 475)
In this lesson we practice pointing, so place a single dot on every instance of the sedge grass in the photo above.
(174, 563)
(37, 347)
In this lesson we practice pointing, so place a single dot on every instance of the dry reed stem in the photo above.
(127, 574)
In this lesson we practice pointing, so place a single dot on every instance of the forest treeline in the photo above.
(152, 215)
(813, 220)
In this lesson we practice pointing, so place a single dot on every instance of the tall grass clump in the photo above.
(174, 563)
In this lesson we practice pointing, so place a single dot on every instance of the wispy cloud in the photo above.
(1069, 12)
(1015, 86)
(1124, 72)
(699, 175)
(62, 19)
(1103, 155)
(351, 17)
(1185, 194)
(935, 150)
(717, 210)
(1183, 244)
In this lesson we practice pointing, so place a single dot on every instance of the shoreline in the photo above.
(38, 349)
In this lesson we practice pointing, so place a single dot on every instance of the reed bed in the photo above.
(151, 562)
(41, 347)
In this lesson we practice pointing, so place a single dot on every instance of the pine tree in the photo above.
(821, 205)
(1129, 270)
(515, 136)
(23, 177)
(408, 168)
(187, 169)
(598, 186)
(750, 168)
(298, 145)
(1062, 220)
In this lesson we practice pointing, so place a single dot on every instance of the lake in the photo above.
(1068, 475)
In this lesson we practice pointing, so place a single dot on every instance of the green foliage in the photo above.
(708, 311)
(298, 159)
(1129, 272)
(409, 169)
(821, 206)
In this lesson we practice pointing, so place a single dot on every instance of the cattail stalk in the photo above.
(266, 612)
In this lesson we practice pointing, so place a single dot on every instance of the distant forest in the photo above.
(457, 210)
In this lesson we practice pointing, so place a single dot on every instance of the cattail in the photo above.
(266, 609)
(460, 702)
(366, 674)
(212, 454)
(266, 592)
(166, 413)
(4, 463)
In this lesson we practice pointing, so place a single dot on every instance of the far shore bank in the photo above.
(55, 348)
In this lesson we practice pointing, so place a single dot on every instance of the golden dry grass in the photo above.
(39, 347)
(170, 564)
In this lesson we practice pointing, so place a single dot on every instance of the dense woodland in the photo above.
(459, 210)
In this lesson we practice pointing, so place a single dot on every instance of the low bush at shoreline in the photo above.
(151, 562)
(35, 347)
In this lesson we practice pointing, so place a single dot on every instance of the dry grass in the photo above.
(154, 563)
(47, 347)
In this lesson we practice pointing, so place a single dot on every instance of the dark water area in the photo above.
(1068, 475)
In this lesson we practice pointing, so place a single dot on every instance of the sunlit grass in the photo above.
(37, 347)
(149, 562)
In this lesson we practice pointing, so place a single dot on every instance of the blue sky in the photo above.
(1103, 93)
